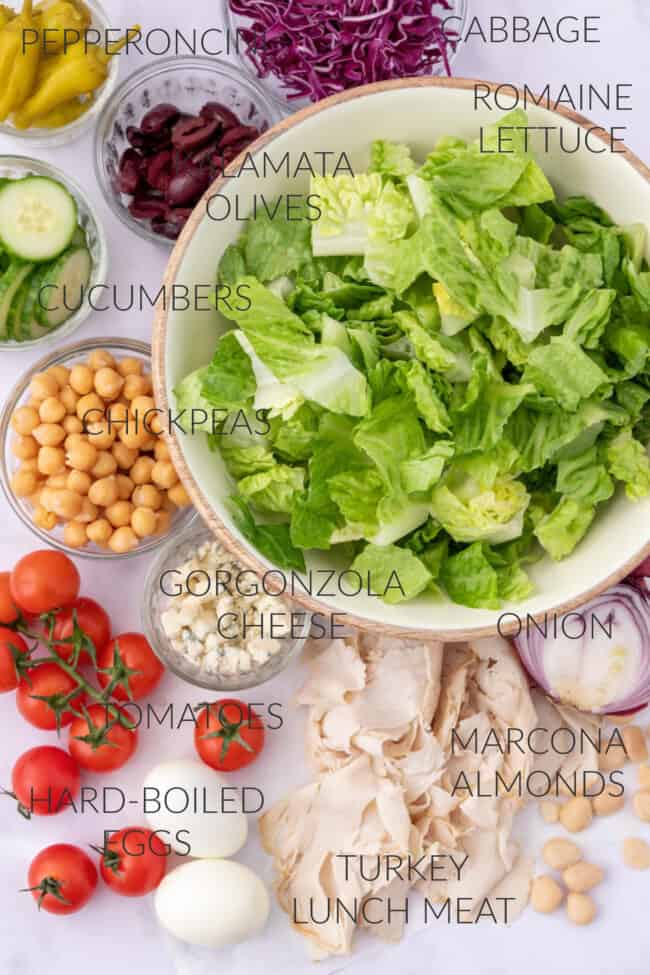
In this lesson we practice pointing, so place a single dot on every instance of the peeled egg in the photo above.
(185, 798)
(212, 903)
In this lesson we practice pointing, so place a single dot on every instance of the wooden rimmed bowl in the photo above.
(416, 111)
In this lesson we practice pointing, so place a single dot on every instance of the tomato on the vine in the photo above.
(102, 740)
(11, 643)
(91, 618)
(133, 861)
(62, 879)
(45, 781)
(134, 666)
(43, 581)
(228, 735)
(8, 608)
(46, 696)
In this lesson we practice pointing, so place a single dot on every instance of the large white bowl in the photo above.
(417, 112)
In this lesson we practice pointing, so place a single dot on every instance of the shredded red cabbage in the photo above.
(317, 48)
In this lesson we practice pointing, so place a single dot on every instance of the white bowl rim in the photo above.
(159, 336)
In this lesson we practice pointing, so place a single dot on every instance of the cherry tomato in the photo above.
(134, 861)
(91, 618)
(9, 678)
(228, 735)
(47, 680)
(44, 580)
(45, 780)
(140, 669)
(8, 608)
(62, 878)
(99, 742)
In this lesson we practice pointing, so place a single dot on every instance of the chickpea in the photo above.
(168, 505)
(101, 434)
(42, 386)
(101, 359)
(147, 496)
(51, 460)
(104, 492)
(608, 803)
(122, 540)
(636, 853)
(124, 486)
(148, 385)
(79, 481)
(582, 877)
(135, 385)
(148, 444)
(179, 496)
(129, 367)
(641, 806)
(576, 814)
(549, 811)
(81, 456)
(163, 520)
(72, 424)
(90, 409)
(635, 743)
(580, 908)
(24, 483)
(60, 373)
(31, 464)
(44, 519)
(559, 853)
(74, 534)
(125, 458)
(141, 405)
(161, 450)
(88, 512)
(163, 474)
(24, 420)
(57, 481)
(72, 439)
(69, 399)
(51, 410)
(546, 895)
(24, 447)
(105, 465)
(64, 503)
(140, 473)
(49, 434)
(108, 383)
(33, 403)
(134, 435)
(143, 522)
(81, 379)
(118, 413)
(119, 513)
(99, 531)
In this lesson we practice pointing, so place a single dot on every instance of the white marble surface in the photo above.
(115, 934)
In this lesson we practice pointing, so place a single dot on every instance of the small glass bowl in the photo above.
(188, 83)
(176, 552)
(14, 167)
(273, 84)
(68, 133)
(8, 463)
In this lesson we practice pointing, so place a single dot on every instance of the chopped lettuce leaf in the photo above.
(394, 572)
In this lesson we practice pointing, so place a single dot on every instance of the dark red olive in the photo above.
(193, 133)
(159, 170)
(145, 206)
(129, 171)
(187, 186)
(217, 111)
(166, 229)
(241, 133)
(159, 117)
(203, 156)
(137, 138)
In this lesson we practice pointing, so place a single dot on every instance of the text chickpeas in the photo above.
(90, 458)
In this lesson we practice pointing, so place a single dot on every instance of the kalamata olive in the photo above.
(187, 186)
(238, 134)
(203, 156)
(194, 132)
(129, 171)
(159, 170)
(137, 138)
(161, 226)
(145, 206)
(216, 111)
(159, 117)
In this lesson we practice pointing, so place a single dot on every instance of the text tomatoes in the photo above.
(228, 735)
(100, 741)
(45, 780)
(136, 667)
(134, 861)
(8, 608)
(44, 580)
(91, 618)
(62, 878)
(44, 695)
(9, 642)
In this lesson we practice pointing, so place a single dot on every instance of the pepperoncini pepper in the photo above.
(61, 20)
(18, 61)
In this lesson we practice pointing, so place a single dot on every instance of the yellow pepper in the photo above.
(73, 74)
(56, 17)
(18, 64)
(6, 14)
(63, 114)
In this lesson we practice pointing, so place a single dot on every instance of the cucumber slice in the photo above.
(10, 283)
(78, 238)
(38, 218)
(14, 317)
(65, 280)
(30, 327)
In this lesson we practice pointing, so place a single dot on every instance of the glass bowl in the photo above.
(187, 82)
(273, 85)
(17, 166)
(176, 552)
(8, 463)
(68, 133)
